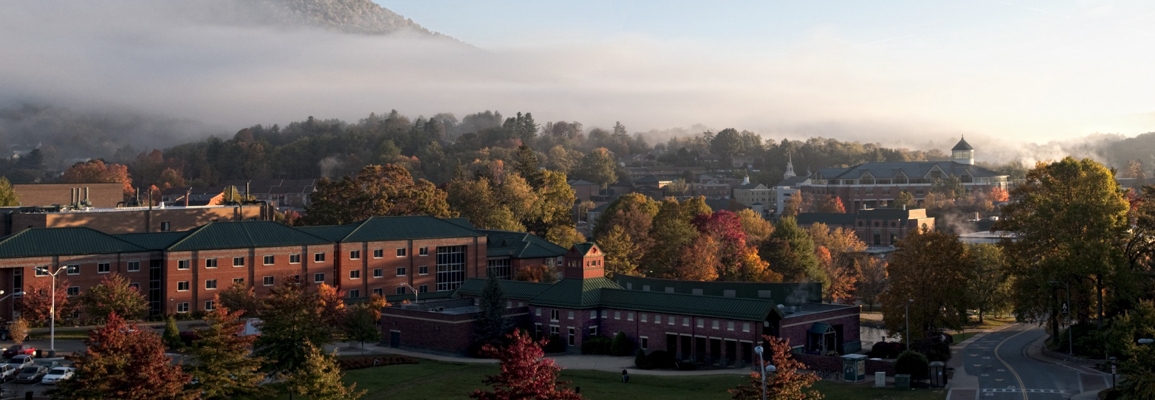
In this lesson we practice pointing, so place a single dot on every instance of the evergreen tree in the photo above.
(171, 335)
(319, 378)
(223, 367)
(492, 325)
(790, 252)
(290, 319)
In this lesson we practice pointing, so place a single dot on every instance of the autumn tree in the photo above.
(240, 298)
(114, 294)
(725, 227)
(872, 281)
(795, 205)
(361, 323)
(757, 229)
(525, 373)
(375, 191)
(622, 254)
(790, 252)
(903, 200)
(1070, 220)
(1133, 169)
(36, 303)
(830, 205)
(19, 330)
(597, 166)
(699, 260)
(320, 378)
(833, 247)
(290, 319)
(565, 236)
(789, 381)
(332, 303)
(8, 196)
(222, 367)
(477, 202)
(671, 230)
(96, 171)
(928, 272)
(123, 361)
(989, 282)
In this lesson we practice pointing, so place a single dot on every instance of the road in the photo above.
(1007, 366)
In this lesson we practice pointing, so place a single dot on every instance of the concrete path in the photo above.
(568, 361)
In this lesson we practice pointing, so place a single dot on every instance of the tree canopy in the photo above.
(377, 190)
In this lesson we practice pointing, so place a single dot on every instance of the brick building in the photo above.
(127, 219)
(180, 272)
(100, 195)
(711, 322)
(875, 227)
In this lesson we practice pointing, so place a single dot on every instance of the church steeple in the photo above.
(963, 153)
(789, 168)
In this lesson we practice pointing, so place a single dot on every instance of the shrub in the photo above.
(913, 363)
(622, 345)
(660, 359)
(374, 361)
(171, 336)
(887, 350)
(599, 345)
(641, 361)
(555, 345)
(935, 347)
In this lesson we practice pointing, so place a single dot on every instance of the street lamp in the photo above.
(1114, 361)
(765, 368)
(403, 284)
(52, 310)
(1067, 310)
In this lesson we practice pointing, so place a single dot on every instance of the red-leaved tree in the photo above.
(96, 171)
(125, 362)
(36, 303)
(525, 373)
(785, 383)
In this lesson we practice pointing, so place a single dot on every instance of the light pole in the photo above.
(403, 284)
(1067, 310)
(764, 369)
(1113, 362)
(52, 310)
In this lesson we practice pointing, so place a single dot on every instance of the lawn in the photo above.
(436, 380)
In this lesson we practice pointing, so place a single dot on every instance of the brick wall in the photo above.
(135, 220)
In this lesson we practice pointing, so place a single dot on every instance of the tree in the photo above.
(699, 260)
(492, 325)
(123, 361)
(902, 200)
(830, 205)
(361, 323)
(36, 303)
(476, 201)
(833, 247)
(8, 196)
(786, 383)
(525, 373)
(19, 330)
(634, 214)
(1137, 362)
(377, 190)
(989, 284)
(622, 255)
(1070, 219)
(725, 144)
(320, 378)
(240, 298)
(96, 171)
(757, 229)
(332, 303)
(725, 227)
(290, 317)
(790, 252)
(564, 236)
(928, 272)
(223, 368)
(872, 281)
(598, 167)
(670, 230)
(171, 335)
(116, 295)
(1133, 169)
(795, 205)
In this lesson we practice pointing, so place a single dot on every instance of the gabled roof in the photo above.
(519, 245)
(916, 169)
(333, 233)
(962, 145)
(45, 242)
(244, 234)
(580, 182)
(583, 248)
(688, 304)
(791, 181)
(154, 241)
(575, 293)
(516, 290)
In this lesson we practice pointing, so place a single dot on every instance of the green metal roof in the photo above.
(332, 233)
(688, 304)
(153, 240)
(575, 293)
(583, 248)
(46, 242)
(519, 245)
(244, 234)
(517, 290)
(820, 328)
(409, 227)
(780, 293)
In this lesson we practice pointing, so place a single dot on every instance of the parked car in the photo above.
(19, 349)
(20, 361)
(57, 374)
(31, 374)
(7, 372)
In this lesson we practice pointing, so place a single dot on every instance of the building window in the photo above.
(267, 281)
(400, 271)
(645, 343)
(355, 255)
(354, 293)
(319, 257)
(701, 323)
(400, 290)
(165, 226)
(570, 316)
(182, 286)
(41, 271)
(378, 253)
(670, 320)
(617, 315)
(238, 281)
(423, 270)
(554, 330)
(657, 318)
(729, 325)
(73, 291)
(450, 267)
(103, 268)
(571, 335)
(685, 321)
(294, 258)
(714, 325)
(379, 291)
(745, 327)
(210, 284)
(424, 251)
(537, 311)
(378, 273)
(537, 330)
(644, 319)
(135, 286)
(500, 269)
(423, 289)
(319, 277)
(593, 330)
(402, 252)
(209, 305)
(554, 315)
(629, 316)
(238, 261)
(73, 269)
(269, 260)
(182, 308)
(355, 274)
(210, 263)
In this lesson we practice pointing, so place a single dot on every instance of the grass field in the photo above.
(439, 380)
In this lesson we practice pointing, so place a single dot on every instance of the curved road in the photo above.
(1008, 366)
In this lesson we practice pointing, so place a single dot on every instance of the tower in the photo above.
(584, 261)
(789, 168)
(963, 153)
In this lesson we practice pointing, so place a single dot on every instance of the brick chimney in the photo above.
(584, 261)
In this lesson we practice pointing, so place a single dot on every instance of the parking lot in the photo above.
(9, 389)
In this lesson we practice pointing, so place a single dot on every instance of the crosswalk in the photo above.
(991, 392)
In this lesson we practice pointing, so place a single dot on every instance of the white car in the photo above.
(58, 374)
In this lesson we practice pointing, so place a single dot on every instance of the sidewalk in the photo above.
(566, 361)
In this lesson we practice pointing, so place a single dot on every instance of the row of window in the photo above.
(401, 252)
(240, 261)
(101, 268)
(555, 330)
(555, 315)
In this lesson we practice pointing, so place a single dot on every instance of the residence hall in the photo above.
(181, 272)
(877, 184)
(711, 322)
(875, 227)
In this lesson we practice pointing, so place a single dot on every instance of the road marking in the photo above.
(1000, 358)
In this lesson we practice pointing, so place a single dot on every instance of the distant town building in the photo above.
(127, 219)
(99, 195)
(875, 227)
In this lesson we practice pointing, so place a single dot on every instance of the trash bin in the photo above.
(938, 374)
(880, 379)
(853, 367)
(902, 381)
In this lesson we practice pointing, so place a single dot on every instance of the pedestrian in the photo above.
(625, 376)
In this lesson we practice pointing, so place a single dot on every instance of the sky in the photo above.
(906, 74)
